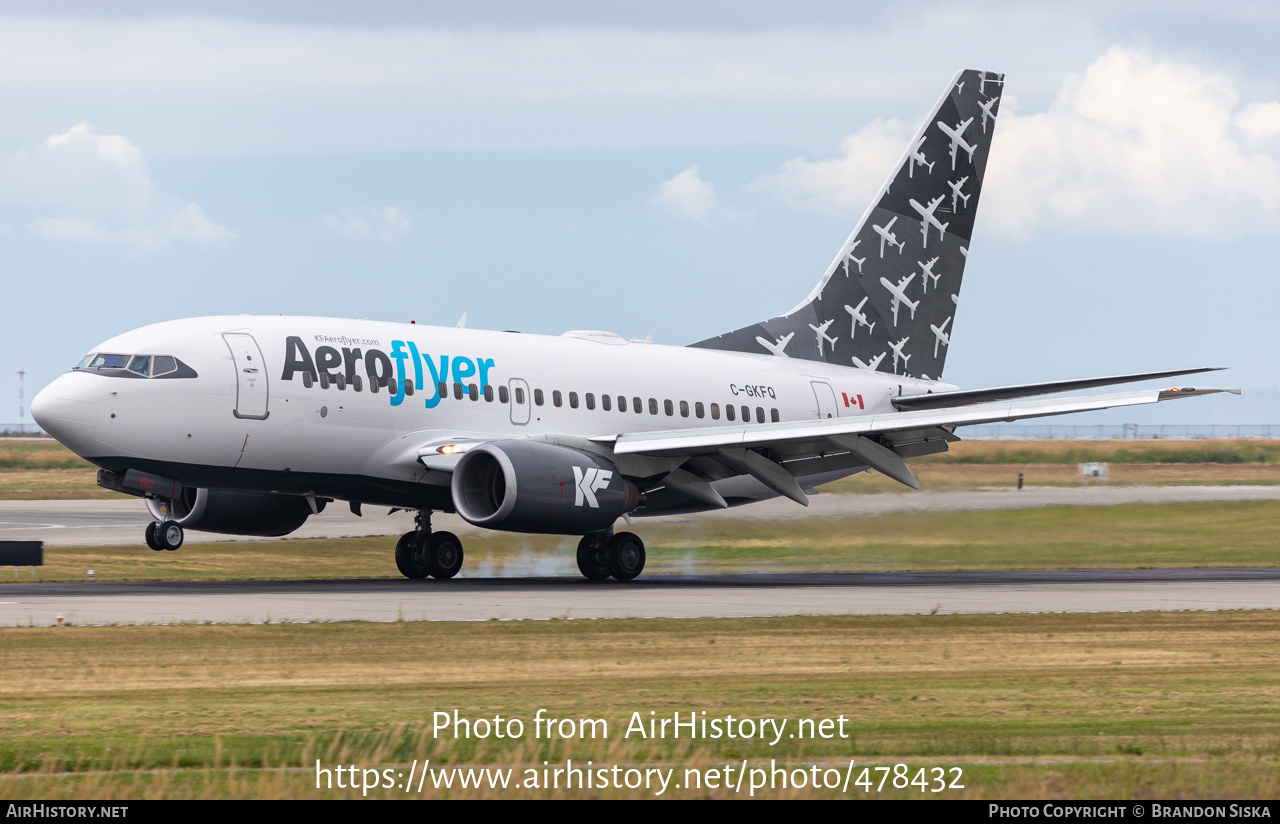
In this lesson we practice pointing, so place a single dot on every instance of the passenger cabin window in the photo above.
(773, 414)
(341, 381)
(653, 406)
(393, 386)
(442, 390)
(699, 409)
(746, 414)
(666, 407)
(408, 386)
(638, 406)
(537, 397)
(306, 380)
(556, 398)
(356, 383)
(324, 380)
(605, 402)
(715, 411)
(622, 403)
(473, 392)
(759, 414)
(503, 396)
(457, 391)
(591, 401)
(519, 395)
(684, 409)
(488, 393)
(573, 400)
(728, 411)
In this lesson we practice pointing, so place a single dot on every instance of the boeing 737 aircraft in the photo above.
(250, 425)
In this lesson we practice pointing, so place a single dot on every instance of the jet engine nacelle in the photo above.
(531, 486)
(232, 512)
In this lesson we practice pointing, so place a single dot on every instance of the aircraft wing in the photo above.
(702, 441)
(963, 397)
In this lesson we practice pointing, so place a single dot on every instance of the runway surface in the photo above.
(656, 597)
(121, 522)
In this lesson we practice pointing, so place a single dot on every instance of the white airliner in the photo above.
(918, 158)
(858, 317)
(956, 194)
(249, 425)
(897, 352)
(986, 111)
(940, 336)
(957, 140)
(886, 235)
(850, 257)
(778, 346)
(872, 364)
(928, 219)
(927, 270)
(821, 331)
(899, 291)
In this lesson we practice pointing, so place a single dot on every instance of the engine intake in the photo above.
(232, 512)
(530, 486)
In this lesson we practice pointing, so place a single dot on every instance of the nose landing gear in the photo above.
(423, 553)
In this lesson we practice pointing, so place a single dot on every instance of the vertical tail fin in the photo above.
(895, 284)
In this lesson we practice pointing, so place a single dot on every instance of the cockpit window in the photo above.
(163, 365)
(136, 366)
(105, 361)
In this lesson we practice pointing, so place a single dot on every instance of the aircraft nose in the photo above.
(67, 409)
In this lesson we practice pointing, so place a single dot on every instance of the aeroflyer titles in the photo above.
(250, 425)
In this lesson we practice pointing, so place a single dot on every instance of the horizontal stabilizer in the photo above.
(965, 397)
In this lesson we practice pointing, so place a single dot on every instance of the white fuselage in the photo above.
(252, 421)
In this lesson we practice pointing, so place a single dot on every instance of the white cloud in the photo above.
(387, 223)
(1135, 145)
(845, 182)
(688, 194)
(101, 190)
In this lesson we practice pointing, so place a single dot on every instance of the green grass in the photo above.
(1219, 534)
(1155, 705)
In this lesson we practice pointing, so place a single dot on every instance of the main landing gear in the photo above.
(601, 555)
(424, 553)
(164, 535)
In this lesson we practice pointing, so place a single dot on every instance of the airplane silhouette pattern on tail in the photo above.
(918, 231)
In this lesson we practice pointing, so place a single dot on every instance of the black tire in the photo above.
(150, 536)
(411, 557)
(169, 535)
(625, 556)
(591, 558)
(444, 555)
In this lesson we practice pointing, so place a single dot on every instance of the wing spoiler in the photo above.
(964, 397)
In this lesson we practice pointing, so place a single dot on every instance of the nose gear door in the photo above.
(251, 376)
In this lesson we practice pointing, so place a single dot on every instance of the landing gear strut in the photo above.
(424, 553)
(601, 555)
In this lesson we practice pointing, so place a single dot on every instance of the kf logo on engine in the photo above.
(588, 483)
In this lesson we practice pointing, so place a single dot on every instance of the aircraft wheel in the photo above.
(169, 535)
(151, 537)
(411, 556)
(591, 558)
(444, 555)
(625, 555)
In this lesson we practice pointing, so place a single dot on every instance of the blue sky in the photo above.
(674, 169)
